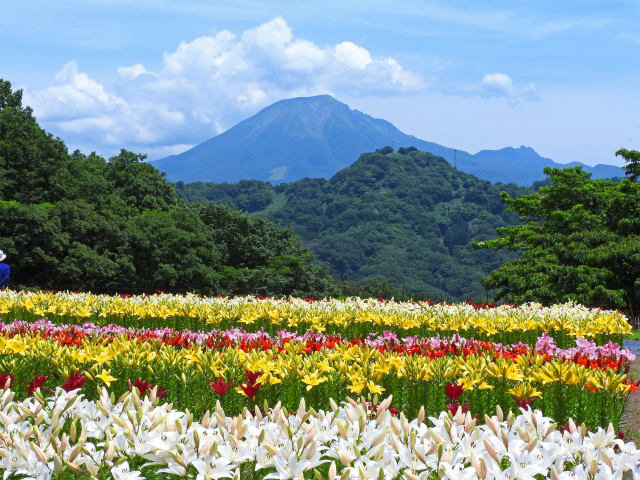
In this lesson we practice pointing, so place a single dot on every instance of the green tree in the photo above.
(174, 251)
(377, 288)
(30, 158)
(580, 240)
(139, 183)
(262, 258)
(632, 159)
(9, 98)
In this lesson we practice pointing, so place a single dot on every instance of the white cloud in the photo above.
(499, 85)
(272, 35)
(132, 72)
(352, 55)
(202, 55)
(79, 107)
(74, 95)
(207, 85)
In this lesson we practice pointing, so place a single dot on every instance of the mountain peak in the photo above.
(298, 104)
(288, 140)
(317, 136)
(326, 98)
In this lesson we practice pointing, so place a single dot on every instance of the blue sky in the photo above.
(158, 77)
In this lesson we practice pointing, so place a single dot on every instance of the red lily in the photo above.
(143, 386)
(453, 390)
(75, 381)
(566, 428)
(252, 377)
(220, 387)
(3, 380)
(160, 392)
(453, 407)
(250, 389)
(36, 383)
(524, 402)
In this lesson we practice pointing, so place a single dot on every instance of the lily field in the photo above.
(181, 386)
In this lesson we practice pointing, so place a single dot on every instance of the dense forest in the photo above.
(393, 222)
(81, 222)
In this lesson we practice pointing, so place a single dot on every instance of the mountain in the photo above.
(289, 140)
(404, 218)
(317, 136)
(519, 165)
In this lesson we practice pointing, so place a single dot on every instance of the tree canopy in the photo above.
(580, 240)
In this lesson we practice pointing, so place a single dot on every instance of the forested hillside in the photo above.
(405, 218)
(81, 222)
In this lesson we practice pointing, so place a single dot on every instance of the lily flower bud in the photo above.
(362, 470)
(531, 445)
(377, 456)
(75, 452)
(302, 408)
(72, 431)
(332, 471)
(475, 463)
(378, 438)
(491, 451)
(491, 424)
(505, 438)
(344, 460)
(57, 464)
(311, 451)
(483, 469)
(39, 453)
(510, 419)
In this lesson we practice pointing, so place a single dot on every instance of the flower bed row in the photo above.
(242, 369)
(68, 436)
(353, 316)
(585, 351)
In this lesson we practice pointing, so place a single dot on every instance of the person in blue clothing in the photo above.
(5, 270)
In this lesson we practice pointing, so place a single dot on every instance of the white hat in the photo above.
(2, 256)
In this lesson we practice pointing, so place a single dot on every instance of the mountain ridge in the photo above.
(318, 136)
